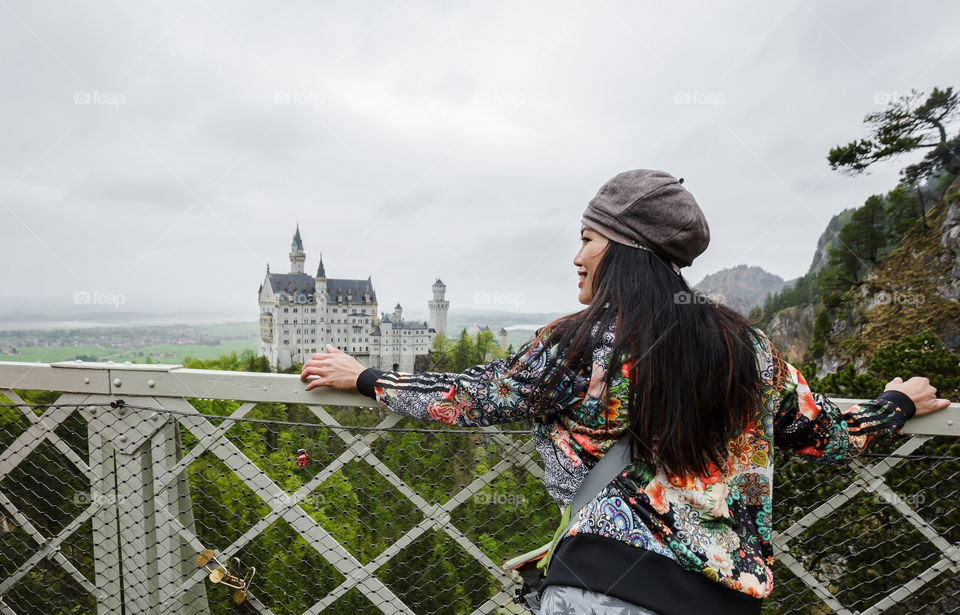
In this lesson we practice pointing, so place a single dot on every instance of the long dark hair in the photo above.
(694, 382)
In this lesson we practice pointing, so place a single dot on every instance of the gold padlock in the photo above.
(221, 575)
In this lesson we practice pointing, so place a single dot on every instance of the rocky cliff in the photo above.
(914, 288)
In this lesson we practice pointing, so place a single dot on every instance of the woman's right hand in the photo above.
(918, 389)
(335, 369)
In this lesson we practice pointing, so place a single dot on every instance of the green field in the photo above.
(134, 355)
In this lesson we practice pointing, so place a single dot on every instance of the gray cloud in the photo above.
(166, 152)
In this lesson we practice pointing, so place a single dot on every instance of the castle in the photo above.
(300, 314)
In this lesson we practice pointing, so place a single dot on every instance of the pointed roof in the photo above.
(321, 272)
(297, 242)
(398, 307)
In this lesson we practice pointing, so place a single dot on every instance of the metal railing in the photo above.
(131, 488)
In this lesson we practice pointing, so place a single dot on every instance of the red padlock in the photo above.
(303, 459)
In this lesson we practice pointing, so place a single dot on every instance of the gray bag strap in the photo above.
(612, 463)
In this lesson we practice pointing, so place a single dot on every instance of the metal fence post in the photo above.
(154, 560)
(106, 545)
(174, 557)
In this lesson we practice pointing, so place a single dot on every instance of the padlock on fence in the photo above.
(222, 575)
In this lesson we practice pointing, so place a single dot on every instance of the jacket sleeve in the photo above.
(809, 424)
(499, 392)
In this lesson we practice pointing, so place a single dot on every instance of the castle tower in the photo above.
(297, 256)
(438, 308)
(397, 313)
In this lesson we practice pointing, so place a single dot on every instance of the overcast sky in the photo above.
(158, 156)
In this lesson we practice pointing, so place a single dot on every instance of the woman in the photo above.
(701, 396)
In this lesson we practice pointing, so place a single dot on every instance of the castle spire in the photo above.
(297, 242)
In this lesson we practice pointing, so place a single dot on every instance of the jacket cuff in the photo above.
(901, 399)
(366, 382)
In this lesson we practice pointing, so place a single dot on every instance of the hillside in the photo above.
(911, 290)
(856, 320)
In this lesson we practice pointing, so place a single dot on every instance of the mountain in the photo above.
(788, 318)
(741, 287)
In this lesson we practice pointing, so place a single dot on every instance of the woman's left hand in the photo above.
(334, 369)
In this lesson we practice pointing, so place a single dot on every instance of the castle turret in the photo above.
(398, 313)
(297, 256)
(321, 271)
(438, 308)
(320, 282)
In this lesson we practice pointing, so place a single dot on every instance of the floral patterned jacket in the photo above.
(718, 525)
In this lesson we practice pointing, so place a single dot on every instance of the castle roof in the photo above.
(297, 242)
(407, 324)
(293, 287)
(402, 324)
(349, 288)
(321, 272)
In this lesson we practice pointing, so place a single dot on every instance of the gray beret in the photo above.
(650, 210)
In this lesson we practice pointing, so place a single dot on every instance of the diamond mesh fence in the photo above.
(212, 506)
